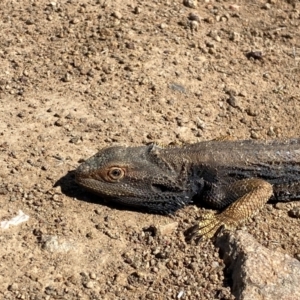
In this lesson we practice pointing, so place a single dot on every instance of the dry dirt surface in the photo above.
(76, 76)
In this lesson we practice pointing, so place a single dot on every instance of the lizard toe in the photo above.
(210, 225)
(205, 229)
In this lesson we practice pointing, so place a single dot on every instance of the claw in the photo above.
(209, 226)
(191, 233)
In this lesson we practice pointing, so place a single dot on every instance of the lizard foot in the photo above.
(252, 194)
(210, 224)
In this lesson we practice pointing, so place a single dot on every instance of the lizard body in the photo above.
(235, 177)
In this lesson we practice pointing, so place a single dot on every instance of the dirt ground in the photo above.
(76, 76)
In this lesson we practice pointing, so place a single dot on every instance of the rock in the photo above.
(121, 279)
(52, 243)
(167, 229)
(117, 15)
(177, 87)
(13, 287)
(190, 3)
(194, 17)
(295, 212)
(89, 284)
(257, 272)
(233, 101)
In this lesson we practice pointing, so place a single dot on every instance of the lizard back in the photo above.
(276, 161)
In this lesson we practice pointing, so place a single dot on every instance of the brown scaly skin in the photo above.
(235, 177)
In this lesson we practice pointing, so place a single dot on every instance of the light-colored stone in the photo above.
(257, 272)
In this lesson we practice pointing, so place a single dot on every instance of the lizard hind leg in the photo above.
(252, 194)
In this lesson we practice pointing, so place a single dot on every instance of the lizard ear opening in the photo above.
(160, 188)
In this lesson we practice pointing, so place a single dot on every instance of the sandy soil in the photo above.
(76, 76)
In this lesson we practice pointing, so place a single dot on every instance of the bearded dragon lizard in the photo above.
(235, 177)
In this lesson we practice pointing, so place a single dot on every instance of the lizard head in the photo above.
(137, 176)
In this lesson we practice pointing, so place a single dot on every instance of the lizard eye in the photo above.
(116, 173)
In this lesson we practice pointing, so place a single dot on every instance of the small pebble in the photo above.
(232, 101)
(190, 3)
(254, 135)
(137, 10)
(266, 6)
(117, 15)
(67, 77)
(295, 212)
(194, 17)
(251, 112)
(13, 287)
(194, 25)
(89, 285)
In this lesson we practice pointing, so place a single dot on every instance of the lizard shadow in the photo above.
(71, 189)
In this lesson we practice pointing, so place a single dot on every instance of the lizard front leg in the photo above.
(250, 194)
